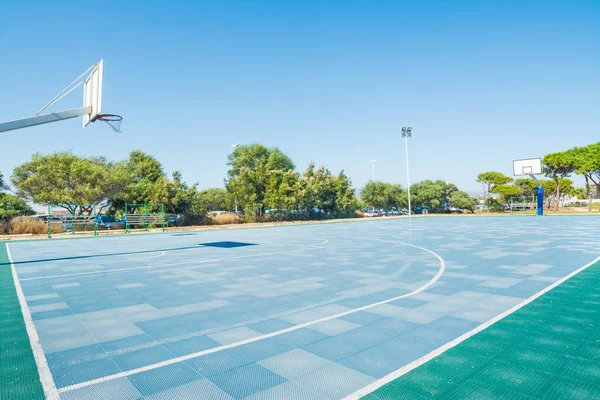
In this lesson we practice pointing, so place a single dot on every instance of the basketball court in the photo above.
(324, 311)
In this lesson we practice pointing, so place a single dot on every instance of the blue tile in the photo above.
(51, 314)
(408, 303)
(131, 342)
(165, 327)
(380, 360)
(191, 345)
(265, 348)
(141, 358)
(246, 380)
(301, 337)
(221, 361)
(163, 378)
(270, 325)
(78, 354)
(362, 318)
(67, 374)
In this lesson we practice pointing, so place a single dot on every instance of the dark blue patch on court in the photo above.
(227, 245)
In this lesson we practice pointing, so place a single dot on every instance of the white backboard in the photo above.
(530, 166)
(92, 93)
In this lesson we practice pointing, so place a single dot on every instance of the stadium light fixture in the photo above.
(406, 133)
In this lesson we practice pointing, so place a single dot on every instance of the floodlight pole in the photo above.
(234, 146)
(406, 133)
(446, 169)
(540, 195)
(372, 169)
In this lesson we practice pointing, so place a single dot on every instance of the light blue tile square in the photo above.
(294, 364)
(246, 380)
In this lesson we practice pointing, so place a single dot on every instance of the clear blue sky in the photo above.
(481, 82)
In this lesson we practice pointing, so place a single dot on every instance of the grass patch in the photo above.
(226, 219)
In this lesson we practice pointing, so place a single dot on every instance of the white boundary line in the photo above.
(409, 367)
(265, 336)
(38, 353)
(111, 271)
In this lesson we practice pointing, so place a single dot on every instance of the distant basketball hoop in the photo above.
(530, 167)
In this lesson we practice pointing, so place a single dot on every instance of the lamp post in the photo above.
(372, 170)
(236, 208)
(406, 133)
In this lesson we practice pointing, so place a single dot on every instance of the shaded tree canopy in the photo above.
(491, 179)
(250, 169)
(558, 166)
(383, 195)
(462, 200)
(62, 178)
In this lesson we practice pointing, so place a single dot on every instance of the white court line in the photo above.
(265, 336)
(110, 271)
(38, 353)
(162, 253)
(429, 356)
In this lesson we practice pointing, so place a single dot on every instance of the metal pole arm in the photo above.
(43, 119)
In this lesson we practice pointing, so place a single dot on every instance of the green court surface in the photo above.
(19, 378)
(549, 349)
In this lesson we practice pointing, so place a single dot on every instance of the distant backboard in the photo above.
(92, 93)
(530, 166)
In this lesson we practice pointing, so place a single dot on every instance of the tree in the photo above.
(559, 165)
(462, 200)
(587, 163)
(11, 206)
(345, 199)
(549, 188)
(63, 178)
(490, 180)
(383, 195)
(250, 168)
(397, 197)
(428, 193)
(375, 194)
(527, 186)
(213, 199)
(507, 191)
(136, 181)
(319, 189)
(174, 194)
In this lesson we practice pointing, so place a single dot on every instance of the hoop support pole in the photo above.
(540, 195)
(43, 119)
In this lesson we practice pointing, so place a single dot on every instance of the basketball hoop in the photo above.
(112, 120)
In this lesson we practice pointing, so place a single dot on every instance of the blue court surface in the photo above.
(298, 312)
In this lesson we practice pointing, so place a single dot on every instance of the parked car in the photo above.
(110, 222)
(371, 212)
(422, 210)
(276, 212)
(391, 212)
